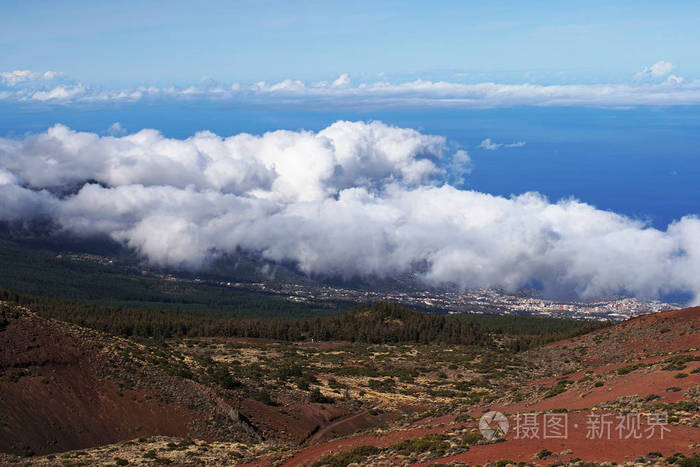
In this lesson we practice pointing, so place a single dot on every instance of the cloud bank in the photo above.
(352, 200)
(15, 77)
(653, 86)
(660, 69)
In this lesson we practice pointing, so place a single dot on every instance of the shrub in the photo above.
(333, 383)
(221, 376)
(369, 371)
(503, 462)
(557, 389)
(678, 363)
(181, 446)
(385, 385)
(261, 395)
(290, 370)
(317, 396)
(628, 369)
(690, 461)
(682, 406)
(675, 458)
(407, 379)
(434, 443)
(470, 439)
(463, 385)
(343, 459)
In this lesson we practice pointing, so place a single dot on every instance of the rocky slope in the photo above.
(64, 387)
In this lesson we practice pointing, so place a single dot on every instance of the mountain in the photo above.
(66, 387)
(646, 365)
(224, 400)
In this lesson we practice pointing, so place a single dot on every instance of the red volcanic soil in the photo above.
(298, 422)
(67, 408)
(644, 382)
(348, 425)
(285, 423)
(648, 341)
(576, 445)
(58, 391)
(316, 452)
(644, 335)
(54, 395)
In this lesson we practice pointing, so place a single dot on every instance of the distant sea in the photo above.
(641, 162)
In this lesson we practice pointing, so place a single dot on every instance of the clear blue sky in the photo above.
(175, 42)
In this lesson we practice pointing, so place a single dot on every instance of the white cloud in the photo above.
(652, 90)
(673, 79)
(116, 129)
(459, 167)
(353, 199)
(659, 69)
(12, 78)
(59, 93)
(342, 81)
(491, 146)
(287, 85)
(280, 165)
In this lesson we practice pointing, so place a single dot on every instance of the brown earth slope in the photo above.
(63, 387)
(69, 387)
(646, 365)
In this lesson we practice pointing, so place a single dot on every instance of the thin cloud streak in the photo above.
(655, 86)
(492, 146)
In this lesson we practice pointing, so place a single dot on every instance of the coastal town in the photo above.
(410, 293)
(478, 301)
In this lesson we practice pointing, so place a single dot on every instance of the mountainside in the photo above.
(237, 400)
(66, 387)
(647, 365)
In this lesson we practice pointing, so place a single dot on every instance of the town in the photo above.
(411, 293)
(479, 301)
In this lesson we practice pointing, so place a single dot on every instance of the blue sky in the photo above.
(177, 42)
